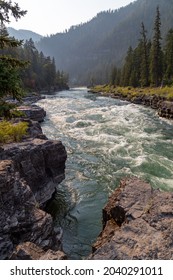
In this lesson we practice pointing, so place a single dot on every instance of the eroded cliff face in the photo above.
(29, 173)
(137, 224)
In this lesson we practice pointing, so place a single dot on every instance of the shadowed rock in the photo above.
(29, 173)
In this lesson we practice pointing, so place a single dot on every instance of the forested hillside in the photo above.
(39, 72)
(87, 51)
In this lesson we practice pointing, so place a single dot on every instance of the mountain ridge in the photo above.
(24, 34)
(88, 51)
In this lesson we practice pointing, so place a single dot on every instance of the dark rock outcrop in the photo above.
(31, 98)
(159, 103)
(29, 174)
(33, 112)
(137, 224)
(163, 106)
(41, 163)
(34, 130)
(166, 109)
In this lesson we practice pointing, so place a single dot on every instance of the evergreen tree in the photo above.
(144, 69)
(169, 56)
(10, 83)
(8, 9)
(127, 68)
(49, 73)
(136, 64)
(156, 62)
(113, 76)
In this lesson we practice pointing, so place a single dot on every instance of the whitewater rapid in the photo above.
(106, 139)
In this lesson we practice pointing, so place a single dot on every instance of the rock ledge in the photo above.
(137, 224)
(29, 173)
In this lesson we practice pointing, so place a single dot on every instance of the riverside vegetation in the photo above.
(30, 169)
(12, 132)
(147, 74)
(34, 167)
(22, 69)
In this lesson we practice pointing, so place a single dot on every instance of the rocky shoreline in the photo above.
(163, 106)
(137, 224)
(29, 173)
(137, 220)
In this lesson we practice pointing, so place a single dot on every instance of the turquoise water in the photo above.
(106, 139)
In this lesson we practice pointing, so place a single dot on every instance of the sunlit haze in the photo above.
(53, 16)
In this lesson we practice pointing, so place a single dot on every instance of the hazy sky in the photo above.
(51, 16)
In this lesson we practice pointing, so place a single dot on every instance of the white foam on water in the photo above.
(106, 139)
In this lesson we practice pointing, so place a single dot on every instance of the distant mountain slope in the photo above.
(87, 51)
(23, 34)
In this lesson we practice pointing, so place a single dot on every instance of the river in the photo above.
(106, 139)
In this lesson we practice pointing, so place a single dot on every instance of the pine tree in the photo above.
(50, 73)
(7, 9)
(113, 76)
(144, 69)
(127, 68)
(156, 61)
(169, 56)
(10, 83)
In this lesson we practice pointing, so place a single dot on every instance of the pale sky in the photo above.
(52, 16)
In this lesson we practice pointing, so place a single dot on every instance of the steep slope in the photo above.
(88, 50)
(23, 34)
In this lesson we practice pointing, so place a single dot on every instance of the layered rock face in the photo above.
(137, 224)
(29, 173)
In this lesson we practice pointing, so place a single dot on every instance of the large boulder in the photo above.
(166, 109)
(137, 224)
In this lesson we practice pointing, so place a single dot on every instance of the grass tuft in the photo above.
(10, 132)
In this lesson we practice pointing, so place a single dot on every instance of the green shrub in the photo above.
(5, 109)
(17, 114)
(12, 132)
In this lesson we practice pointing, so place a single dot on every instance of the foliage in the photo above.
(12, 132)
(148, 64)
(166, 92)
(41, 73)
(5, 109)
(7, 8)
(156, 63)
(10, 83)
(89, 51)
(168, 57)
(144, 69)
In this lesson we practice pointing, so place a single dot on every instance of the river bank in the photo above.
(137, 224)
(160, 99)
(106, 140)
(30, 170)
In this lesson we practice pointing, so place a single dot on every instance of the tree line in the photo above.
(39, 71)
(149, 63)
(22, 67)
(21, 64)
(89, 51)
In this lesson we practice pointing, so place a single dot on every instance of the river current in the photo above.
(106, 139)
